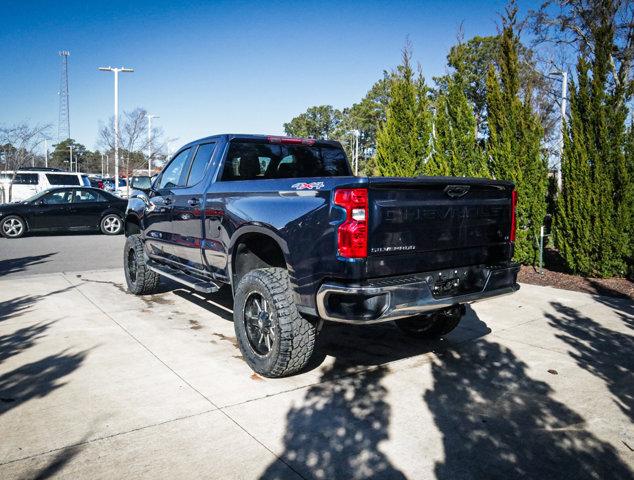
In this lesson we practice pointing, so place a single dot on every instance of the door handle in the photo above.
(193, 202)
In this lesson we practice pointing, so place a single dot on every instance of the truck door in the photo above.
(188, 209)
(158, 216)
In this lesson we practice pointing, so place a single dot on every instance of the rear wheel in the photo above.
(432, 325)
(140, 279)
(12, 227)
(111, 224)
(275, 340)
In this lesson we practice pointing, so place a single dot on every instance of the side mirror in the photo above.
(143, 183)
(39, 202)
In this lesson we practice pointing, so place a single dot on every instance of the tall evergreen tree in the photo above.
(514, 143)
(456, 149)
(594, 222)
(404, 140)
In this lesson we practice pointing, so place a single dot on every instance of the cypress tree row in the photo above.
(403, 141)
(593, 228)
(514, 144)
(456, 150)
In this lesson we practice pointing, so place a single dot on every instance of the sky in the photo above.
(217, 67)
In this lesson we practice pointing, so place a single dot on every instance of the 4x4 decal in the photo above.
(308, 186)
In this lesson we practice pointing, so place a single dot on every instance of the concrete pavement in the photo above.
(97, 383)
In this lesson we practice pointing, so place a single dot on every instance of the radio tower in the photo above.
(63, 121)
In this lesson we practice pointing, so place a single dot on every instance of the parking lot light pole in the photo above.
(116, 71)
(149, 143)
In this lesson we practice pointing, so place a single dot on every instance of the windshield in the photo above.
(35, 197)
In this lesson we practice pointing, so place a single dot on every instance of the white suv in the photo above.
(29, 182)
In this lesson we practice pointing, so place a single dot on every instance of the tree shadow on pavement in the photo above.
(18, 306)
(336, 431)
(15, 265)
(21, 339)
(37, 379)
(607, 354)
(498, 422)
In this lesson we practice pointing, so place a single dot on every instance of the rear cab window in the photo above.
(248, 160)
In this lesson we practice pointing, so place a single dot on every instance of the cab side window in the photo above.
(199, 165)
(173, 174)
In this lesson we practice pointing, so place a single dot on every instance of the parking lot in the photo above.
(97, 383)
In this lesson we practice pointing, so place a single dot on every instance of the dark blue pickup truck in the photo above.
(300, 240)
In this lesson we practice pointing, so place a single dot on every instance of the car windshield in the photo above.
(35, 197)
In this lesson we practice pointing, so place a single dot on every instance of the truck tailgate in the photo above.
(434, 223)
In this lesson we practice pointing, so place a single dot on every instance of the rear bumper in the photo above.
(400, 297)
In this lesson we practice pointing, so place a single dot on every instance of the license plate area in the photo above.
(457, 281)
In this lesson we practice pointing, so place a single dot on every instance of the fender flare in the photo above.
(263, 230)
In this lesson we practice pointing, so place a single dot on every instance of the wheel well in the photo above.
(132, 226)
(253, 251)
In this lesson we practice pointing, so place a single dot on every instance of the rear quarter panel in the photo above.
(297, 217)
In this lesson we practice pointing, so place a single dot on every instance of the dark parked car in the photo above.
(59, 209)
(301, 240)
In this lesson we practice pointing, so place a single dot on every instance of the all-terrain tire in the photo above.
(111, 224)
(12, 226)
(432, 325)
(140, 279)
(293, 336)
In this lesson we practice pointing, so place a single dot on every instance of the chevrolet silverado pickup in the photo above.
(300, 240)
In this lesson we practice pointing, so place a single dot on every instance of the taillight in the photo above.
(352, 235)
(513, 215)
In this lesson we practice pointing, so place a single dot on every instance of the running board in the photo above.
(190, 281)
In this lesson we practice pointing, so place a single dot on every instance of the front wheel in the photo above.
(140, 279)
(111, 224)
(12, 227)
(432, 325)
(275, 340)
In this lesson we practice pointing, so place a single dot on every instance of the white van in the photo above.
(29, 182)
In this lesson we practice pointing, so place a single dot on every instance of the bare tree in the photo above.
(133, 140)
(19, 143)
(576, 24)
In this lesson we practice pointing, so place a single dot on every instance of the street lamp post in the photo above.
(564, 97)
(149, 143)
(116, 71)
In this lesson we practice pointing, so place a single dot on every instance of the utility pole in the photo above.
(564, 95)
(354, 147)
(70, 166)
(116, 71)
(46, 153)
(149, 143)
(63, 119)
